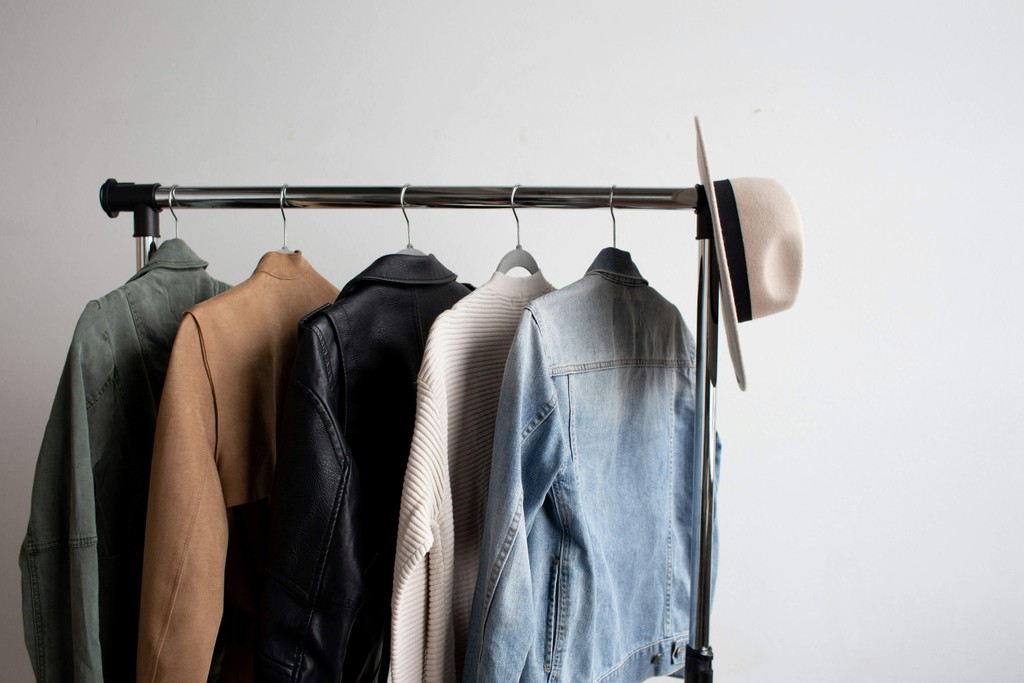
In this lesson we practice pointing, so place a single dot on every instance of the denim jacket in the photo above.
(585, 565)
(81, 561)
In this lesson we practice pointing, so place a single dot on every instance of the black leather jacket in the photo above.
(343, 446)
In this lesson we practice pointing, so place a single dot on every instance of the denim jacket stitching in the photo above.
(571, 422)
(625, 660)
(669, 566)
(592, 366)
(554, 597)
(498, 566)
(564, 578)
(538, 418)
(550, 618)
(619, 278)
(562, 581)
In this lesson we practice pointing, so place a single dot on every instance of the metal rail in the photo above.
(115, 197)
(146, 201)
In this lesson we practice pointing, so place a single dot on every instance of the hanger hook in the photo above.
(611, 207)
(170, 205)
(284, 218)
(519, 244)
(408, 228)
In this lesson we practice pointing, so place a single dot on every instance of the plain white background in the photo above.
(870, 498)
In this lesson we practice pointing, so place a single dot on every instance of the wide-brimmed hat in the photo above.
(759, 240)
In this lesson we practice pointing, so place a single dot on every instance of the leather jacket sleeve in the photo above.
(311, 616)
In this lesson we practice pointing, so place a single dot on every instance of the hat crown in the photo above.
(772, 234)
(758, 241)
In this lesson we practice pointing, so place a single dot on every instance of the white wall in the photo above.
(869, 506)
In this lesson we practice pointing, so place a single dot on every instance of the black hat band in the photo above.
(732, 235)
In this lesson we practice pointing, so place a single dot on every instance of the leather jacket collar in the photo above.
(617, 265)
(403, 269)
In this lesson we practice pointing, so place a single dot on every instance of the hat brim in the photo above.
(728, 303)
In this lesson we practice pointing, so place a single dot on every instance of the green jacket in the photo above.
(81, 561)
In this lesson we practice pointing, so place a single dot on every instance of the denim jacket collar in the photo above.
(173, 254)
(407, 269)
(617, 265)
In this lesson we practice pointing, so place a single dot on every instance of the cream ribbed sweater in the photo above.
(445, 492)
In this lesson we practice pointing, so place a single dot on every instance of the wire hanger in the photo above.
(284, 222)
(517, 257)
(611, 207)
(170, 205)
(409, 249)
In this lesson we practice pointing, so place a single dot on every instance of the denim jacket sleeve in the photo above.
(529, 454)
(59, 559)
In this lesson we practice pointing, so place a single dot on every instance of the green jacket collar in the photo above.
(173, 254)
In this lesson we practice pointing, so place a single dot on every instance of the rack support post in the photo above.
(699, 655)
(141, 201)
(147, 230)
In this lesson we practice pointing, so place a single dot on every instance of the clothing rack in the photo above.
(146, 201)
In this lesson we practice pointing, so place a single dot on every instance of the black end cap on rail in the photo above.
(116, 197)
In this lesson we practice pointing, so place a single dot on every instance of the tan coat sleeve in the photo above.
(186, 524)
(422, 632)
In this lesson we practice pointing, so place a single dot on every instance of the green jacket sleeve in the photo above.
(59, 563)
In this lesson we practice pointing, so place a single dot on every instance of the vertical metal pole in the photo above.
(699, 654)
(143, 245)
(147, 229)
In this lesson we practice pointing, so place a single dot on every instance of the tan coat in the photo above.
(213, 465)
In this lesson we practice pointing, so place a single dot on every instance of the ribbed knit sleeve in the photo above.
(445, 489)
(422, 637)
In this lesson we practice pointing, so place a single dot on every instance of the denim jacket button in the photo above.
(656, 658)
